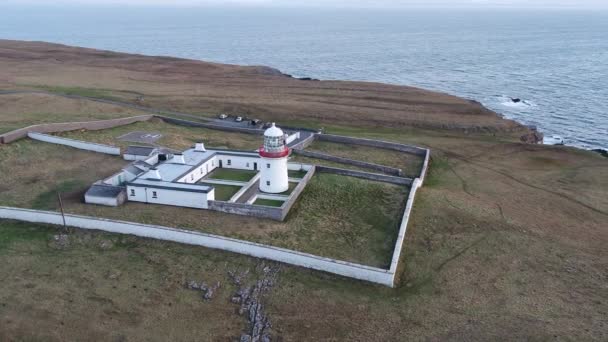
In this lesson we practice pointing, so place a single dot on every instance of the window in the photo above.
(154, 194)
(132, 192)
(192, 176)
(268, 166)
(247, 165)
(268, 183)
(229, 162)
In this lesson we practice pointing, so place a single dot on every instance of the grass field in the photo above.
(223, 192)
(232, 174)
(268, 202)
(506, 241)
(177, 137)
(296, 174)
(410, 164)
(475, 245)
(21, 110)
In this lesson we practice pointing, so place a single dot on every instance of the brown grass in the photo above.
(209, 88)
(20, 110)
(410, 164)
(177, 137)
(506, 241)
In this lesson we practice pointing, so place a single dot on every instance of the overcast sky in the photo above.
(571, 4)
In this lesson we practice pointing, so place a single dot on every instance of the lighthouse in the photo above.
(274, 153)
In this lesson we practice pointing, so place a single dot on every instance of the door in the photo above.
(220, 163)
(255, 166)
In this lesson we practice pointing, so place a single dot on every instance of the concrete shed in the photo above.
(139, 152)
(108, 195)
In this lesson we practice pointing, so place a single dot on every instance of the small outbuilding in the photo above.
(139, 152)
(108, 195)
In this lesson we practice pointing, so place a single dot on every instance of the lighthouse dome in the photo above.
(274, 131)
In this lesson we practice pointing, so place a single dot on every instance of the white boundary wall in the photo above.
(416, 184)
(343, 268)
(82, 145)
(362, 272)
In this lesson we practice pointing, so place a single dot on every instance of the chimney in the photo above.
(154, 174)
(178, 159)
(200, 147)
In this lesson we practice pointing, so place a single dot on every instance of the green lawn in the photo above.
(231, 174)
(224, 192)
(268, 202)
(297, 174)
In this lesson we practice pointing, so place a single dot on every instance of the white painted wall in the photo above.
(403, 227)
(362, 272)
(199, 172)
(110, 202)
(170, 197)
(116, 179)
(273, 175)
(239, 162)
(82, 145)
(133, 157)
(292, 137)
(298, 166)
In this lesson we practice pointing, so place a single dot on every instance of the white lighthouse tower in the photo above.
(274, 153)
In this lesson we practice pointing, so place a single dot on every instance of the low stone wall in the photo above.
(373, 143)
(252, 185)
(365, 175)
(403, 228)
(189, 123)
(273, 213)
(295, 194)
(304, 143)
(82, 145)
(348, 269)
(385, 169)
(425, 166)
(70, 126)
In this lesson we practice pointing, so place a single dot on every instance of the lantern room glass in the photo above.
(274, 144)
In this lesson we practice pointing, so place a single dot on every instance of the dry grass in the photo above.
(20, 110)
(209, 88)
(108, 287)
(410, 164)
(177, 137)
(506, 241)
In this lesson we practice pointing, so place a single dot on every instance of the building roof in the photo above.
(132, 169)
(105, 191)
(140, 150)
(142, 165)
(274, 131)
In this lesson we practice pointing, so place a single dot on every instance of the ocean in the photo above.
(555, 62)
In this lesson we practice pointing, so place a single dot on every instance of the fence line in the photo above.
(82, 145)
(344, 268)
(70, 126)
